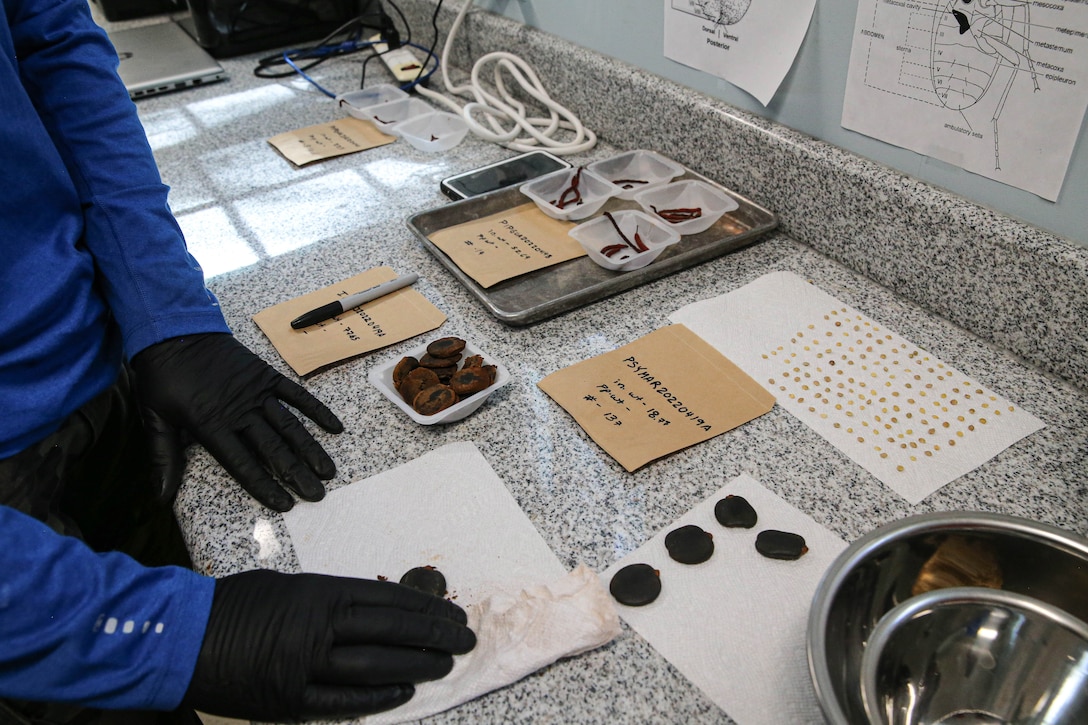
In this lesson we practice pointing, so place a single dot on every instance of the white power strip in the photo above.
(402, 63)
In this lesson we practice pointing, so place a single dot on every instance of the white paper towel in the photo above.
(908, 418)
(517, 634)
(449, 509)
(735, 624)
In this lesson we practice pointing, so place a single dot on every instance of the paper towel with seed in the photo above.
(449, 509)
(735, 625)
(910, 419)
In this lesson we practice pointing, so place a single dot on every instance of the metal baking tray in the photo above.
(566, 286)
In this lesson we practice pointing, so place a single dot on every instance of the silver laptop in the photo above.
(160, 58)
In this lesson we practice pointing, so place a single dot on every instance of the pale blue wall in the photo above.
(810, 99)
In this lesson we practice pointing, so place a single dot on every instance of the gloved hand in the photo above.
(227, 398)
(293, 647)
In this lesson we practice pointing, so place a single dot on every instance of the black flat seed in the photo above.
(689, 544)
(780, 544)
(425, 579)
(635, 585)
(735, 512)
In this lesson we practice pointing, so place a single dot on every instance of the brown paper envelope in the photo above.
(387, 320)
(326, 140)
(657, 395)
(508, 244)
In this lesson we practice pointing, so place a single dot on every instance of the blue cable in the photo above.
(315, 84)
(348, 46)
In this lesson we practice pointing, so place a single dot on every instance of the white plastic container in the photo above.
(381, 376)
(599, 234)
(687, 194)
(547, 191)
(436, 131)
(388, 116)
(355, 103)
(635, 171)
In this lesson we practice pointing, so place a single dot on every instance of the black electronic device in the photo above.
(499, 175)
(229, 28)
(115, 10)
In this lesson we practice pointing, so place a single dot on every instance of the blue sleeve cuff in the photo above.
(99, 630)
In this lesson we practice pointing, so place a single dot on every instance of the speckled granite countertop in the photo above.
(267, 231)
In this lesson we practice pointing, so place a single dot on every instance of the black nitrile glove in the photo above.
(293, 647)
(228, 399)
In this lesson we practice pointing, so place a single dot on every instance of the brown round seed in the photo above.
(469, 381)
(444, 374)
(735, 512)
(446, 347)
(415, 381)
(402, 368)
(689, 544)
(430, 361)
(780, 544)
(434, 399)
(635, 585)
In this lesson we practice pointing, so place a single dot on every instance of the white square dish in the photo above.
(548, 190)
(381, 376)
(387, 117)
(678, 196)
(635, 171)
(597, 235)
(435, 131)
(356, 102)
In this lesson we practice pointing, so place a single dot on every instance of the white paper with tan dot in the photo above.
(910, 419)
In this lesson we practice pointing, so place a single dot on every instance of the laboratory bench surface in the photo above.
(999, 301)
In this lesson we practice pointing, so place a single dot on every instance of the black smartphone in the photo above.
(508, 172)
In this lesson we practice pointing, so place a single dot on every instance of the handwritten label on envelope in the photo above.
(326, 140)
(395, 317)
(660, 394)
(508, 244)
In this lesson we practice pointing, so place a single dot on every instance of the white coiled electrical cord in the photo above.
(520, 133)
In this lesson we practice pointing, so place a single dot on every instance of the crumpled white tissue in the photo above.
(518, 632)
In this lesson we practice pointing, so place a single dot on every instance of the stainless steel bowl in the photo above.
(880, 570)
(976, 655)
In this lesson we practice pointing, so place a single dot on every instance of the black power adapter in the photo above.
(389, 33)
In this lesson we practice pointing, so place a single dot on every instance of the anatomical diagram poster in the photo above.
(750, 43)
(996, 87)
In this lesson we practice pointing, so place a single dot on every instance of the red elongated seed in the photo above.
(572, 190)
(678, 215)
(619, 231)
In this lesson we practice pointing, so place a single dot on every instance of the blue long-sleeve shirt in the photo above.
(96, 629)
(94, 265)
